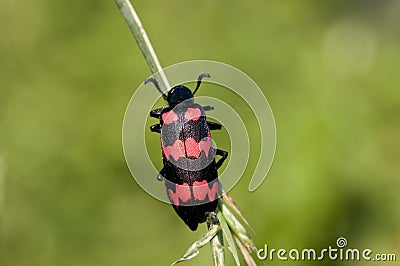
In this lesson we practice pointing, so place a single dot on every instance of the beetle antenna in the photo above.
(201, 76)
(154, 81)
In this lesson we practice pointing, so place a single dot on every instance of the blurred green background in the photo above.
(330, 70)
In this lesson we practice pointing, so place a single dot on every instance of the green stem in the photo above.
(136, 27)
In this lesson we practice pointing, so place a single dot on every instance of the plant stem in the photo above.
(136, 27)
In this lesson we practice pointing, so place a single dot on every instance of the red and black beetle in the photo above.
(189, 167)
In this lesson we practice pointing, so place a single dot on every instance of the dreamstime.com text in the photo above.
(340, 252)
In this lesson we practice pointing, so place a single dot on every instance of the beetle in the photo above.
(189, 164)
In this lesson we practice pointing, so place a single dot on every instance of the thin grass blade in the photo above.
(217, 246)
(229, 238)
(227, 198)
(248, 258)
(236, 227)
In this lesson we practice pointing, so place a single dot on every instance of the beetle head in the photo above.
(178, 94)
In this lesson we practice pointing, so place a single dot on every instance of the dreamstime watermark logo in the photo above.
(338, 252)
(229, 91)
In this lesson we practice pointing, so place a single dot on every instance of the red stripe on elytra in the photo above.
(169, 117)
(182, 192)
(205, 144)
(201, 190)
(176, 150)
(193, 148)
(192, 114)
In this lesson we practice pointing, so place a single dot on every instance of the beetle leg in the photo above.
(224, 155)
(208, 108)
(156, 128)
(213, 125)
(160, 176)
(156, 113)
